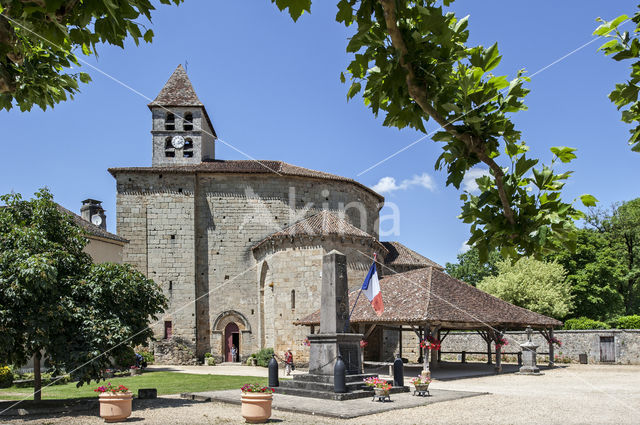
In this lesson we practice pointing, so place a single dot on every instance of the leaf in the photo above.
(148, 36)
(564, 153)
(84, 77)
(588, 200)
(353, 90)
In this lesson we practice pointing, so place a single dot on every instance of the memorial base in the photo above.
(325, 348)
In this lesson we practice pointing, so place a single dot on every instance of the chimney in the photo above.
(93, 212)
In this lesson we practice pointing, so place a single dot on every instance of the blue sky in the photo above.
(272, 89)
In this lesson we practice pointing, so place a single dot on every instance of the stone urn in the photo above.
(256, 407)
(135, 371)
(421, 387)
(115, 407)
(381, 392)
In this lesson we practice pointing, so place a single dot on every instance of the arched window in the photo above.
(170, 121)
(293, 299)
(187, 122)
(169, 150)
(187, 151)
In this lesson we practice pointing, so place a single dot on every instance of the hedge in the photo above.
(626, 322)
(584, 323)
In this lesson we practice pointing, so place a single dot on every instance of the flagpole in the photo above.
(346, 325)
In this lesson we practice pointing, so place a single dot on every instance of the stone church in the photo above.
(237, 245)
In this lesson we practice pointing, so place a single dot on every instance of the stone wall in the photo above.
(626, 342)
(194, 234)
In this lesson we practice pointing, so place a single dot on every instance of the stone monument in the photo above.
(334, 313)
(529, 365)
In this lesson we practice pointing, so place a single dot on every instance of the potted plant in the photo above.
(209, 360)
(421, 383)
(256, 403)
(380, 386)
(135, 370)
(115, 402)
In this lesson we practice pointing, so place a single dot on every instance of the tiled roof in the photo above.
(245, 167)
(430, 295)
(91, 228)
(324, 223)
(403, 256)
(178, 91)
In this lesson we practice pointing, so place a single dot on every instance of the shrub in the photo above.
(125, 358)
(627, 322)
(263, 356)
(147, 355)
(207, 355)
(6, 377)
(584, 323)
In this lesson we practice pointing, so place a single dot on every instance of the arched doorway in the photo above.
(231, 338)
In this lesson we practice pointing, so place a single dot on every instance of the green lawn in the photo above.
(164, 382)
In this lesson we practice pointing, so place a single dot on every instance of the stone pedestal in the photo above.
(325, 348)
(529, 362)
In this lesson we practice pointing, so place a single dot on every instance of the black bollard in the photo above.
(339, 376)
(273, 372)
(398, 372)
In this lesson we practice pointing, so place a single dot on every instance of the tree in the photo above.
(54, 300)
(594, 272)
(624, 46)
(470, 269)
(39, 40)
(532, 284)
(411, 63)
(621, 227)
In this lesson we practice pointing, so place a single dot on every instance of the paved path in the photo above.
(338, 409)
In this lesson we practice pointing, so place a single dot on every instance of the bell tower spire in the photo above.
(182, 131)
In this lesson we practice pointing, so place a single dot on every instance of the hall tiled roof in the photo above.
(245, 167)
(91, 228)
(429, 295)
(324, 223)
(403, 256)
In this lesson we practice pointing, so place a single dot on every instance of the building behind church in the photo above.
(237, 245)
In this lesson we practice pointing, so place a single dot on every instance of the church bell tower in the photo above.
(182, 131)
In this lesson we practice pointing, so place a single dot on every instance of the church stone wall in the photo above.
(193, 234)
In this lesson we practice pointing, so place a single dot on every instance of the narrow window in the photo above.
(187, 123)
(168, 329)
(293, 299)
(170, 121)
(169, 150)
(187, 151)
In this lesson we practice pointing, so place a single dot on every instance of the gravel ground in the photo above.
(570, 395)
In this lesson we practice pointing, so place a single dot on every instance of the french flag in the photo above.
(371, 288)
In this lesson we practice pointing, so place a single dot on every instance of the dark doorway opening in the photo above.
(231, 339)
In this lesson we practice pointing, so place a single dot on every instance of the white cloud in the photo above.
(464, 248)
(469, 181)
(388, 184)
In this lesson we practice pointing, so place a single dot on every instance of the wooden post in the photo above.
(498, 358)
(551, 349)
(439, 351)
(37, 378)
(464, 357)
(400, 341)
(489, 360)
(426, 355)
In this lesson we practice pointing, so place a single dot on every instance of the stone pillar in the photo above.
(498, 358)
(332, 340)
(529, 365)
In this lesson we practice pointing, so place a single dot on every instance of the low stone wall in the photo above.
(174, 351)
(574, 343)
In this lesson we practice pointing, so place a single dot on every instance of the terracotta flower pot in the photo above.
(115, 407)
(256, 407)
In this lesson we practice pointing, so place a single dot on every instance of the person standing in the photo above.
(234, 353)
(288, 361)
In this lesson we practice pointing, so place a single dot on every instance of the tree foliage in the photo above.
(595, 274)
(580, 323)
(411, 63)
(532, 284)
(39, 41)
(624, 45)
(620, 226)
(53, 299)
(470, 269)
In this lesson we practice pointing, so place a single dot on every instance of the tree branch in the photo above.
(419, 95)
